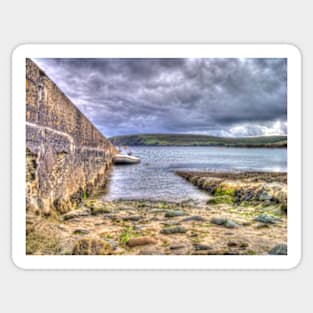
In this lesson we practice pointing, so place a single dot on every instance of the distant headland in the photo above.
(199, 140)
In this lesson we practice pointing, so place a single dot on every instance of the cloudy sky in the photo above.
(224, 97)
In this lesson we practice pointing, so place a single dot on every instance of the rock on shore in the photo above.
(247, 188)
(144, 228)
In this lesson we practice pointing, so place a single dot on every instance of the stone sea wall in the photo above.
(67, 158)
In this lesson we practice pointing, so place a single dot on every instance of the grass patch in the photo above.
(162, 205)
(224, 191)
(126, 234)
(251, 252)
(42, 243)
(225, 199)
(85, 196)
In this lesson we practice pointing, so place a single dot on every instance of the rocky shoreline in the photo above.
(236, 220)
(243, 188)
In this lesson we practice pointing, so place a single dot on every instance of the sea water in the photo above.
(155, 179)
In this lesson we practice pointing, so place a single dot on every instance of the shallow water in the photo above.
(155, 179)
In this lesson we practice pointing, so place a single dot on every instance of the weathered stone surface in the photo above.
(195, 218)
(100, 210)
(280, 249)
(266, 219)
(171, 223)
(173, 230)
(67, 158)
(174, 213)
(218, 220)
(264, 196)
(200, 246)
(246, 187)
(141, 241)
(224, 222)
(231, 224)
(132, 218)
(76, 214)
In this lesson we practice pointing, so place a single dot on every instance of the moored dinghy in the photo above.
(125, 159)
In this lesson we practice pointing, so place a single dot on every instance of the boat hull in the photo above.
(125, 159)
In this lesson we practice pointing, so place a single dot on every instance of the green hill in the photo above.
(198, 140)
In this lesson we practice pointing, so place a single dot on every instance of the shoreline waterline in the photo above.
(155, 177)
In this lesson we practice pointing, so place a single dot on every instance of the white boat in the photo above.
(125, 159)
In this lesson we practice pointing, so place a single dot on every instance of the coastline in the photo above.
(246, 215)
(284, 146)
(189, 140)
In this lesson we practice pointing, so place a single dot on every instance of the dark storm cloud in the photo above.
(229, 97)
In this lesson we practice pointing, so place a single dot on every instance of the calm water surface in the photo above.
(154, 178)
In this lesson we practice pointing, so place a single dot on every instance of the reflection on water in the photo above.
(154, 178)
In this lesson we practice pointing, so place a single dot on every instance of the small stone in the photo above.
(218, 220)
(110, 216)
(171, 223)
(248, 197)
(174, 213)
(141, 241)
(261, 225)
(231, 253)
(112, 243)
(138, 228)
(100, 210)
(277, 212)
(195, 218)
(280, 249)
(91, 246)
(80, 232)
(244, 245)
(213, 252)
(154, 219)
(201, 252)
(75, 214)
(133, 218)
(230, 224)
(224, 222)
(156, 210)
(266, 219)
(200, 246)
(265, 196)
(150, 252)
(173, 230)
(232, 244)
(176, 247)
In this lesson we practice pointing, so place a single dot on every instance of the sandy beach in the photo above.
(245, 215)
